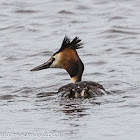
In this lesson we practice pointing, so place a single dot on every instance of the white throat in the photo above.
(74, 79)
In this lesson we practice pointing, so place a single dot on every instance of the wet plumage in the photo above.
(86, 89)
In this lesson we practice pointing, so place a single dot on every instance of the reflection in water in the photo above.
(69, 106)
(76, 107)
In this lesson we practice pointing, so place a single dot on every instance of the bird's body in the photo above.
(67, 58)
(85, 89)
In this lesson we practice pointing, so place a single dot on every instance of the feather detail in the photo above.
(74, 44)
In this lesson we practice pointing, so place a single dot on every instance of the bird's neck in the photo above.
(78, 76)
(71, 62)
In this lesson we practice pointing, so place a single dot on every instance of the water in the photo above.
(31, 31)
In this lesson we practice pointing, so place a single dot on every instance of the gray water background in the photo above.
(31, 31)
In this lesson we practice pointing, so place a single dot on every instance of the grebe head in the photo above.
(66, 58)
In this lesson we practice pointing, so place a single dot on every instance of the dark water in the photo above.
(31, 30)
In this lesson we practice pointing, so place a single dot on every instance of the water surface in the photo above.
(31, 31)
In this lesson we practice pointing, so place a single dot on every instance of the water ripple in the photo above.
(7, 97)
(118, 31)
(25, 11)
(65, 12)
(33, 30)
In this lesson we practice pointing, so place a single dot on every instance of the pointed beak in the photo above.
(43, 66)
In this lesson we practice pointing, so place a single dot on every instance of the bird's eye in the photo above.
(53, 59)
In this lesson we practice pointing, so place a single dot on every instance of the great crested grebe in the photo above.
(67, 58)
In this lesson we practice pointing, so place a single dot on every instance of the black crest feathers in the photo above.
(74, 44)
